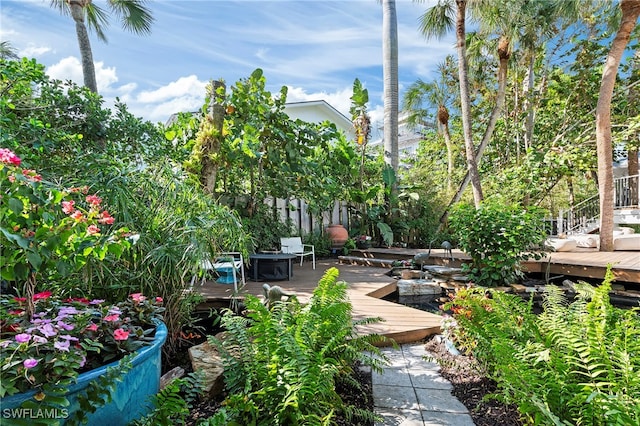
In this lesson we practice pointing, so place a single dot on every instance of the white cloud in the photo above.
(70, 68)
(340, 99)
(184, 86)
(32, 51)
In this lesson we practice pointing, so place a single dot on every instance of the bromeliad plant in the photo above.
(47, 232)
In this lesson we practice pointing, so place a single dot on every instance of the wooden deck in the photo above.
(368, 284)
(582, 262)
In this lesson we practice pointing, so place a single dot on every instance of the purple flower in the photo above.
(38, 339)
(115, 311)
(62, 345)
(30, 363)
(83, 361)
(67, 337)
(22, 337)
(48, 330)
(66, 311)
(65, 326)
(5, 343)
(96, 301)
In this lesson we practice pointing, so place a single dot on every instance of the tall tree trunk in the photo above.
(465, 100)
(443, 119)
(210, 137)
(528, 125)
(88, 69)
(503, 54)
(632, 143)
(390, 76)
(630, 12)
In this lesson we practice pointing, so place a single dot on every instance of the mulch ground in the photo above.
(469, 386)
(472, 388)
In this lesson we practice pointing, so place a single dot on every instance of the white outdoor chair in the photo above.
(229, 266)
(293, 245)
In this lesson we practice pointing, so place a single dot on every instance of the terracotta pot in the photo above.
(338, 235)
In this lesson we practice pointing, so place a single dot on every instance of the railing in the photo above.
(584, 215)
(626, 192)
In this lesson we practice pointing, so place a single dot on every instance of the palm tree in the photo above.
(437, 94)
(390, 77)
(7, 51)
(630, 12)
(436, 21)
(134, 16)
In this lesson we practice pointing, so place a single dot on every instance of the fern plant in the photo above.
(172, 404)
(282, 363)
(576, 363)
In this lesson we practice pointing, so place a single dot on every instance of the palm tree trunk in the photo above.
(211, 134)
(390, 77)
(630, 12)
(465, 100)
(528, 134)
(450, 162)
(88, 69)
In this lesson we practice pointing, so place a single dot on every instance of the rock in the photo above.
(206, 358)
(169, 376)
(418, 288)
(518, 288)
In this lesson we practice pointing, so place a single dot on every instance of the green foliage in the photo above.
(320, 241)
(576, 363)
(172, 404)
(99, 391)
(265, 229)
(282, 364)
(498, 237)
(95, 395)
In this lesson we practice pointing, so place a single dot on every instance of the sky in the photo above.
(315, 47)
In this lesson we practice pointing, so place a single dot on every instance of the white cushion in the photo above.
(586, 241)
(627, 242)
(561, 244)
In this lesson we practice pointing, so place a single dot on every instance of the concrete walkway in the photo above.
(411, 392)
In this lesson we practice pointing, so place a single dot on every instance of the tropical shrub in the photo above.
(498, 237)
(576, 363)
(282, 364)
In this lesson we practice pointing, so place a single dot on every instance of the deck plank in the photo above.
(369, 284)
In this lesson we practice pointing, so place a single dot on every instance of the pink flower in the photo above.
(92, 327)
(11, 178)
(138, 297)
(78, 216)
(67, 206)
(106, 218)
(112, 318)
(42, 295)
(159, 299)
(8, 157)
(22, 337)
(31, 175)
(94, 200)
(93, 229)
(120, 334)
(30, 363)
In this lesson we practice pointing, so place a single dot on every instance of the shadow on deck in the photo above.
(367, 285)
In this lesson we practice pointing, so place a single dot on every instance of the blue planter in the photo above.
(130, 400)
